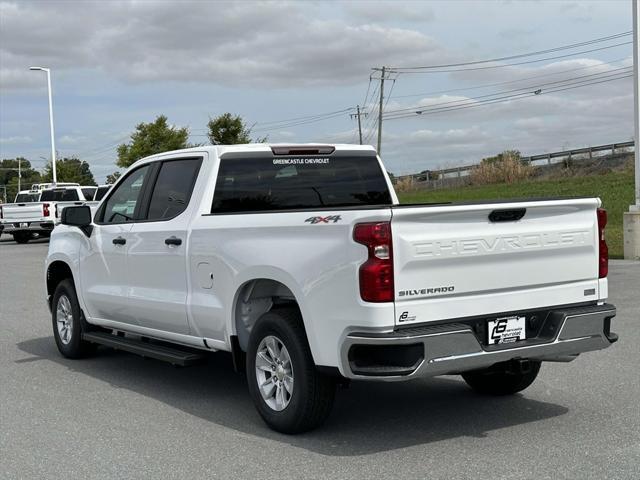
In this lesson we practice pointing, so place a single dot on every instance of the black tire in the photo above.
(72, 346)
(22, 237)
(501, 379)
(311, 400)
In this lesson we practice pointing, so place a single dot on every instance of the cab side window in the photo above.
(121, 205)
(172, 190)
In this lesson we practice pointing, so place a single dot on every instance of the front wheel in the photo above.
(288, 391)
(67, 322)
(502, 379)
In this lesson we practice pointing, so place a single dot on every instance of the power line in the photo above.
(305, 117)
(519, 96)
(504, 98)
(520, 63)
(487, 85)
(521, 55)
(389, 96)
(536, 86)
(302, 122)
(105, 148)
(366, 95)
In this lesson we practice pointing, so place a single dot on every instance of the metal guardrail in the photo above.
(464, 170)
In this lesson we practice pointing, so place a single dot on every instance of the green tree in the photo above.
(70, 170)
(113, 177)
(150, 138)
(227, 129)
(9, 175)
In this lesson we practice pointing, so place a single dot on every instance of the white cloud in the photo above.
(71, 139)
(385, 11)
(15, 140)
(301, 57)
(240, 43)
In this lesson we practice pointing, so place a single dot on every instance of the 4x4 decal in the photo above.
(330, 218)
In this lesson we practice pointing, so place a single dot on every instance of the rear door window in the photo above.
(288, 183)
(172, 190)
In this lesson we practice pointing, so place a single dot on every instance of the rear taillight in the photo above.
(45, 209)
(603, 250)
(376, 274)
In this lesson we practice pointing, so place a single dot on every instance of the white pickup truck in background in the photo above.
(300, 262)
(24, 220)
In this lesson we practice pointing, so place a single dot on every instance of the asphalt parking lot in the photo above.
(120, 416)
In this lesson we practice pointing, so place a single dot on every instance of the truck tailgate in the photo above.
(22, 212)
(452, 261)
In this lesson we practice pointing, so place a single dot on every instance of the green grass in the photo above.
(615, 190)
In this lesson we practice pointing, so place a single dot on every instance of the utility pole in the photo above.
(359, 114)
(380, 110)
(631, 219)
(19, 174)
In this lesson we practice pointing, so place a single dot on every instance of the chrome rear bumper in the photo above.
(454, 347)
(35, 227)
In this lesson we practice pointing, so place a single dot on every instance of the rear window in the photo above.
(59, 195)
(26, 198)
(288, 183)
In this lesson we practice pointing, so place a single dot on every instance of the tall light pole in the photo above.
(631, 219)
(53, 141)
(636, 95)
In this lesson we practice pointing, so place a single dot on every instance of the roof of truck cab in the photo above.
(218, 150)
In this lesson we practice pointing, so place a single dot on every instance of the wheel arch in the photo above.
(57, 271)
(256, 297)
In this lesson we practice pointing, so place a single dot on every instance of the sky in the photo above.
(118, 63)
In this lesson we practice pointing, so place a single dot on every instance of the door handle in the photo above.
(119, 241)
(173, 241)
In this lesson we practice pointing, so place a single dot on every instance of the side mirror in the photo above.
(76, 216)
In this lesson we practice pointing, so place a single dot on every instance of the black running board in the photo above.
(171, 355)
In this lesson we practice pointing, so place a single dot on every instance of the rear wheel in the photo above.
(22, 237)
(286, 388)
(502, 379)
(67, 322)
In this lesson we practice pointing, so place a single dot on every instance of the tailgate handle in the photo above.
(510, 215)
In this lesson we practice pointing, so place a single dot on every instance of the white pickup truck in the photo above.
(25, 219)
(300, 262)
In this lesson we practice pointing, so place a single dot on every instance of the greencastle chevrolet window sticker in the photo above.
(300, 161)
